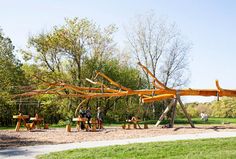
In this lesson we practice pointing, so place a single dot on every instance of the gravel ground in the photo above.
(11, 139)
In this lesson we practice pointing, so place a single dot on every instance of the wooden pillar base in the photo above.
(128, 127)
(123, 126)
(94, 128)
(18, 126)
(46, 126)
(145, 126)
(68, 128)
(87, 127)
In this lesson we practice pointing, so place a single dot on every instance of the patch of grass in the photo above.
(7, 128)
(196, 121)
(194, 149)
(210, 121)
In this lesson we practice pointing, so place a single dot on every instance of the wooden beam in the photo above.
(154, 78)
(185, 112)
(113, 82)
(173, 114)
(105, 88)
(81, 103)
(158, 98)
(165, 113)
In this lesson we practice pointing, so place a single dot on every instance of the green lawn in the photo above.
(210, 121)
(197, 121)
(194, 149)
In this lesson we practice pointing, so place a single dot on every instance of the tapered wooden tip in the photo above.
(218, 85)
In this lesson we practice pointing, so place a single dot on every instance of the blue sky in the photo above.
(210, 25)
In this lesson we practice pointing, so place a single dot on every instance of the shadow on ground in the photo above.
(14, 152)
(8, 141)
(215, 128)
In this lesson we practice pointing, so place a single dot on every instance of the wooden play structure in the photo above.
(92, 121)
(36, 121)
(22, 118)
(79, 121)
(159, 92)
(133, 121)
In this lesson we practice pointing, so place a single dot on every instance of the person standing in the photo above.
(89, 115)
(99, 118)
(82, 115)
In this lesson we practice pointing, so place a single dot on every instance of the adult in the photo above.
(82, 114)
(99, 118)
(89, 115)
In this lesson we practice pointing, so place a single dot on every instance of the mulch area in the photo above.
(10, 138)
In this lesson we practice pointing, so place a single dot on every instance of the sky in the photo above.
(209, 25)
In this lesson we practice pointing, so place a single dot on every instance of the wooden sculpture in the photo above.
(159, 92)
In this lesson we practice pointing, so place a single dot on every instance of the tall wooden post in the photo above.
(173, 114)
(185, 112)
(18, 125)
(165, 112)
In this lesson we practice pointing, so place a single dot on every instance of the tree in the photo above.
(65, 47)
(225, 108)
(11, 78)
(158, 44)
(64, 54)
(73, 52)
(123, 74)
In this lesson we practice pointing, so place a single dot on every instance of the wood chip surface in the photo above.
(10, 138)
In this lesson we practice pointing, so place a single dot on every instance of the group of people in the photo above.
(86, 113)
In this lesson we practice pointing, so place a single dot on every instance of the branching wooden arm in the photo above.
(161, 92)
(81, 103)
(161, 85)
(158, 98)
(113, 82)
(106, 88)
(218, 86)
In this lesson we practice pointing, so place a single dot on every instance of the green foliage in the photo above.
(205, 148)
(65, 47)
(116, 108)
(226, 107)
(11, 77)
(71, 53)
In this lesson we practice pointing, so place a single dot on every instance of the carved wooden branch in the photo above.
(161, 92)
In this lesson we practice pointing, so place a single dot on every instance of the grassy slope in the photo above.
(207, 148)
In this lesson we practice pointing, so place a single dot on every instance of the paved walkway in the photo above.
(32, 151)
